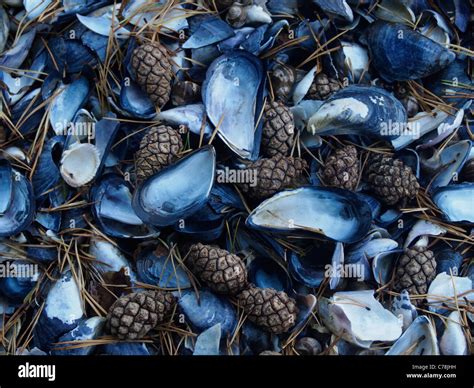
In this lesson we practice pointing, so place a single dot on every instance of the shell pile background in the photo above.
(236, 178)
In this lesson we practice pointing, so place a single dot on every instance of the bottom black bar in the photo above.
(364, 371)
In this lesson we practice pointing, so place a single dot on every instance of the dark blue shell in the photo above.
(16, 288)
(360, 110)
(449, 261)
(113, 211)
(86, 330)
(336, 214)
(208, 309)
(47, 174)
(400, 54)
(62, 312)
(178, 191)
(16, 200)
(266, 273)
(161, 271)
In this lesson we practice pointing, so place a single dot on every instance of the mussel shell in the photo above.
(108, 256)
(161, 271)
(449, 261)
(336, 7)
(266, 273)
(400, 54)
(67, 102)
(17, 201)
(206, 309)
(305, 271)
(210, 31)
(207, 343)
(136, 102)
(359, 110)
(62, 312)
(453, 342)
(112, 209)
(359, 318)
(306, 305)
(178, 191)
(14, 57)
(455, 201)
(47, 174)
(231, 94)
(451, 160)
(87, 330)
(418, 339)
(204, 225)
(16, 288)
(192, 116)
(336, 214)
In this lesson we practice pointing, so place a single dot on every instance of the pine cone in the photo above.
(132, 316)
(278, 131)
(222, 271)
(273, 175)
(273, 310)
(415, 270)
(323, 87)
(159, 148)
(392, 181)
(342, 169)
(152, 70)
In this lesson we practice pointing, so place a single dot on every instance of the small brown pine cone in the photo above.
(153, 72)
(223, 272)
(273, 310)
(132, 316)
(391, 181)
(273, 175)
(278, 130)
(160, 147)
(342, 169)
(323, 87)
(415, 271)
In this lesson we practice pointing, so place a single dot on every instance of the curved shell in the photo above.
(112, 209)
(418, 339)
(359, 318)
(333, 213)
(79, 164)
(230, 93)
(161, 270)
(17, 204)
(456, 202)
(178, 191)
(401, 54)
(360, 110)
(208, 310)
